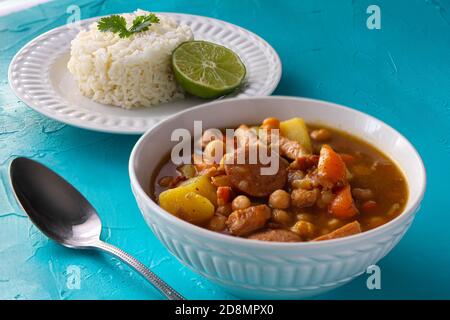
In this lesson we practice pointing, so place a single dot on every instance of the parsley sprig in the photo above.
(118, 24)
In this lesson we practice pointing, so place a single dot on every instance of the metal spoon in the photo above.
(64, 215)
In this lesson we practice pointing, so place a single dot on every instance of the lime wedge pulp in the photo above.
(207, 70)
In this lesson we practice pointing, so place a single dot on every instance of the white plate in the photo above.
(38, 75)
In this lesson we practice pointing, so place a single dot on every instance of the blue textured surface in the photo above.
(399, 74)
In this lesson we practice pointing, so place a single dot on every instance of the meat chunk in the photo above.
(278, 235)
(344, 231)
(248, 178)
(291, 149)
(302, 198)
(176, 181)
(243, 222)
(305, 162)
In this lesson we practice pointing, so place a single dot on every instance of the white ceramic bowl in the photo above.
(256, 269)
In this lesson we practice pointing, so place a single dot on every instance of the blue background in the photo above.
(399, 74)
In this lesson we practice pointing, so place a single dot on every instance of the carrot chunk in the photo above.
(345, 231)
(331, 166)
(271, 123)
(343, 206)
(224, 195)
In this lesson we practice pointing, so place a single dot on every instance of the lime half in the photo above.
(206, 69)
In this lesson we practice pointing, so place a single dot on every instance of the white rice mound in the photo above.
(129, 72)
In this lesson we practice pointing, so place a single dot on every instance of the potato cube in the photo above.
(295, 129)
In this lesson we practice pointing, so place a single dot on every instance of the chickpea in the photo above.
(281, 217)
(334, 223)
(217, 223)
(301, 198)
(279, 199)
(240, 202)
(302, 184)
(321, 135)
(304, 229)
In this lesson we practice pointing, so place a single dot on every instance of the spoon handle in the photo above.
(159, 284)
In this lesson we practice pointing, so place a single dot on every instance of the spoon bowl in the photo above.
(63, 214)
(59, 210)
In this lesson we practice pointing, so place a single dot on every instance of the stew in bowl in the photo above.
(382, 170)
(327, 183)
